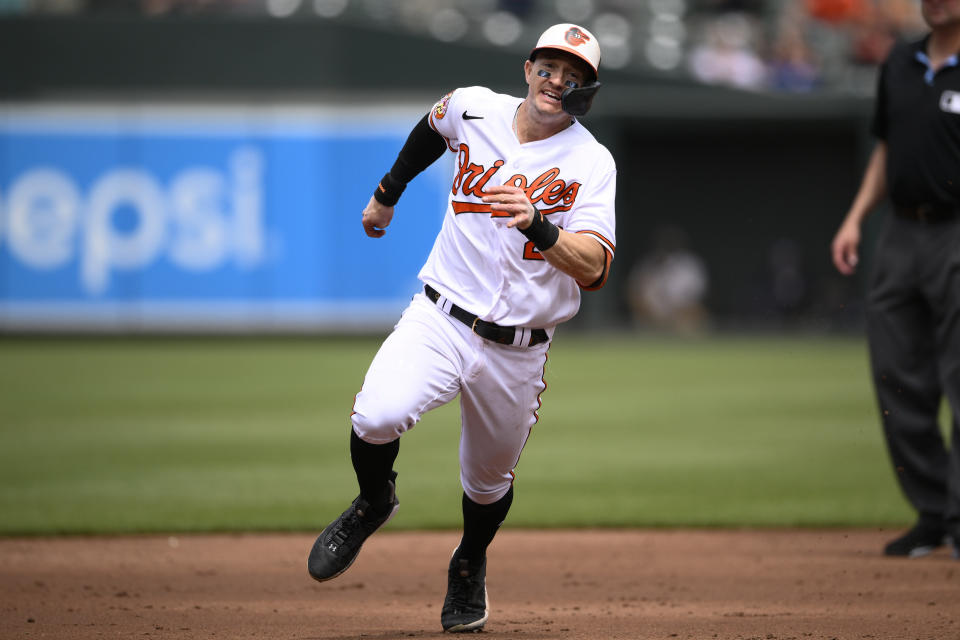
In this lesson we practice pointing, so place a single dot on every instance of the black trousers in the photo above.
(913, 329)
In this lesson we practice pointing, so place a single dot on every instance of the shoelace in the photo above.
(461, 588)
(458, 598)
(348, 525)
(352, 523)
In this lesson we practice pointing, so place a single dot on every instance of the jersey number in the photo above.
(530, 252)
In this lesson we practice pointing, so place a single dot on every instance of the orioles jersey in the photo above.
(478, 262)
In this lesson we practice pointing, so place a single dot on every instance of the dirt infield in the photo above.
(768, 585)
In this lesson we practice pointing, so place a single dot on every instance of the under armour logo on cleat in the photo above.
(467, 116)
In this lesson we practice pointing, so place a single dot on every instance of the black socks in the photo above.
(373, 464)
(480, 524)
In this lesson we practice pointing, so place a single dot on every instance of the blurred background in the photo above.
(200, 165)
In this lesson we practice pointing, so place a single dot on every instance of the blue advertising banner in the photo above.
(219, 217)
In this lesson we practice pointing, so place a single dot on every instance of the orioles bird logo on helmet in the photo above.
(576, 37)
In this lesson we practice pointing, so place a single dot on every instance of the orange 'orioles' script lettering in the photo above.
(547, 191)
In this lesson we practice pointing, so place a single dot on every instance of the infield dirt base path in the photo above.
(582, 585)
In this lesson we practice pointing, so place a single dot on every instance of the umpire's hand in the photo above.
(376, 218)
(844, 248)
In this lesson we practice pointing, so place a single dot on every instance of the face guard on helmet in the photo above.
(578, 42)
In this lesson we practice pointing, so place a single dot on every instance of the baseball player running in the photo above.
(529, 223)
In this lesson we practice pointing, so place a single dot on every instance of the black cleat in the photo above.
(339, 544)
(917, 542)
(465, 608)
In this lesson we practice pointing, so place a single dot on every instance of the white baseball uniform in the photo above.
(494, 272)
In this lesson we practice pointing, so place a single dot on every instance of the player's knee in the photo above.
(379, 427)
(487, 490)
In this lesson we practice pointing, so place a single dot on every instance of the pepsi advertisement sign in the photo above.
(207, 217)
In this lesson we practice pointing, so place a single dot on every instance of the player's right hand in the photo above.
(376, 218)
(844, 248)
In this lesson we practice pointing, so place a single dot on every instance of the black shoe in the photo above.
(338, 546)
(465, 607)
(919, 541)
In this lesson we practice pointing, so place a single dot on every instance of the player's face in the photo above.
(549, 75)
(941, 13)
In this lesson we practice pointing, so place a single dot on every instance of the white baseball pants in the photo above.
(430, 358)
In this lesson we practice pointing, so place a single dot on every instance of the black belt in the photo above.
(928, 212)
(484, 329)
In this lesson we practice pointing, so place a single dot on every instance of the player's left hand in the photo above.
(510, 200)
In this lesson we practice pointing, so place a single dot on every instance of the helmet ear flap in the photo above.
(577, 102)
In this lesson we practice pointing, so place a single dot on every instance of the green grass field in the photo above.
(190, 434)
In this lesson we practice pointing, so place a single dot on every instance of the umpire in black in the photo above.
(913, 309)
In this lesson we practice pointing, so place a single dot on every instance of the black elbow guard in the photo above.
(422, 148)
